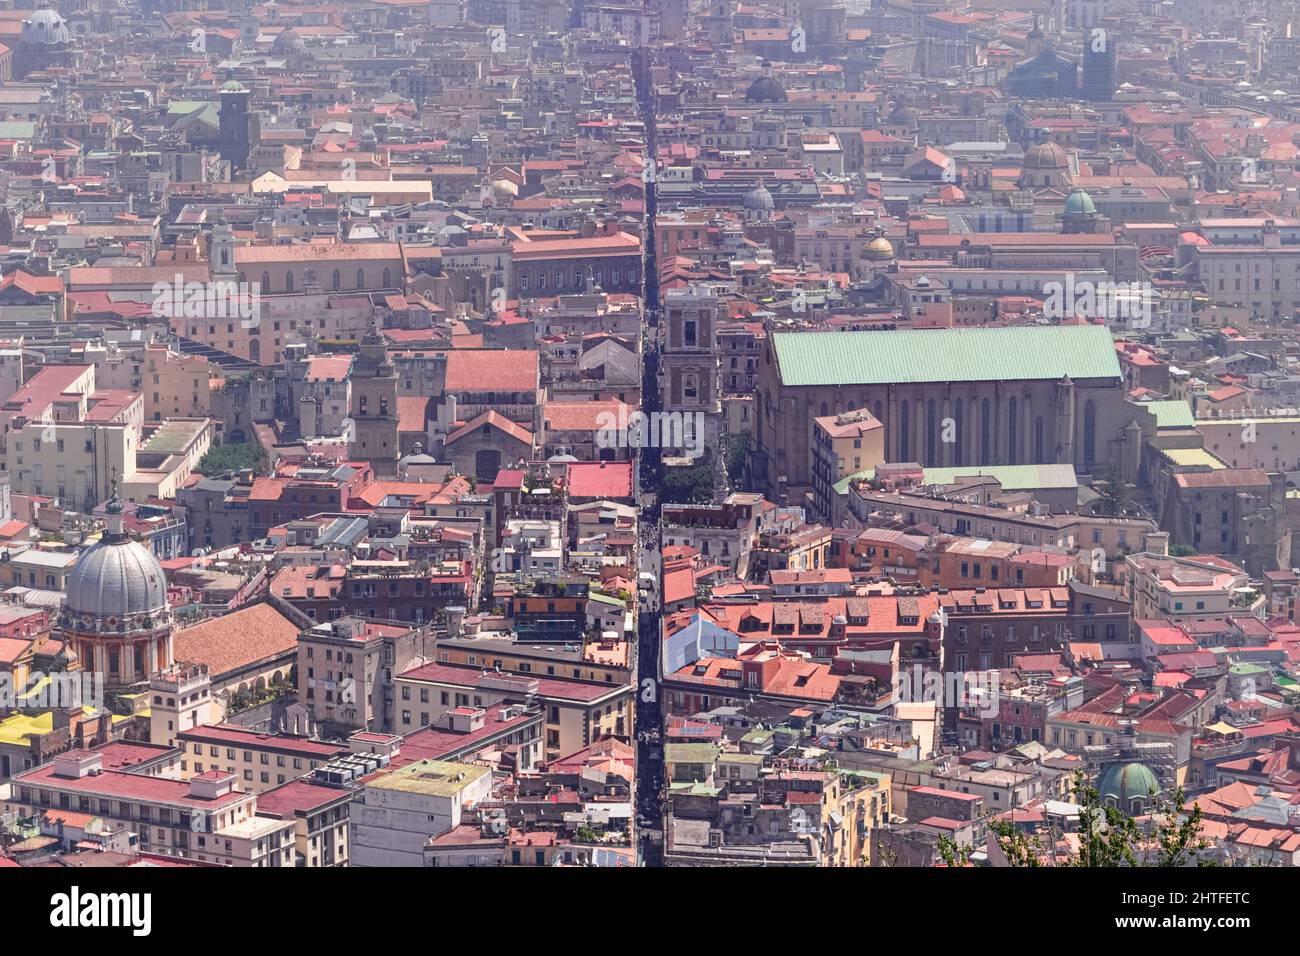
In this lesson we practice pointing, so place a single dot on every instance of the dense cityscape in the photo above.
(649, 433)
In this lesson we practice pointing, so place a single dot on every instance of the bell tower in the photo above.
(374, 406)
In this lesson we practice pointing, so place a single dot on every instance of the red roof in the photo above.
(604, 479)
(119, 785)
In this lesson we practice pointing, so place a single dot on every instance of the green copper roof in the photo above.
(1079, 203)
(1128, 781)
(946, 355)
(17, 129)
(1175, 413)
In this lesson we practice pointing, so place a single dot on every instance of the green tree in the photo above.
(735, 450)
(690, 484)
(1018, 847)
(1170, 835)
(226, 458)
(951, 853)
(1114, 496)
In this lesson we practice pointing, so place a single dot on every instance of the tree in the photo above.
(1018, 847)
(953, 854)
(1114, 496)
(689, 484)
(735, 450)
(1182, 551)
(226, 458)
(1169, 836)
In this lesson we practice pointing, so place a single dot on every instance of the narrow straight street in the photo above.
(649, 716)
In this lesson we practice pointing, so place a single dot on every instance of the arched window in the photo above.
(336, 282)
(266, 282)
(826, 410)
(388, 278)
(1089, 432)
(1040, 456)
(986, 432)
(905, 431)
(1013, 431)
(288, 282)
(361, 278)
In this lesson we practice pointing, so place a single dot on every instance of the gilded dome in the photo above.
(878, 249)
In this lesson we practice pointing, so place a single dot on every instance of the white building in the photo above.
(394, 815)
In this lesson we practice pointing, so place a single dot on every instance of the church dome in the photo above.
(117, 578)
(902, 115)
(1126, 782)
(765, 90)
(1079, 203)
(287, 42)
(759, 199)
(46, 28)
(1046, 156)
(878, 249)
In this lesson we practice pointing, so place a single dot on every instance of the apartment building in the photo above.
(577, 712)
(346, 670)
(206, 819)
(395, 813)
(258, 761)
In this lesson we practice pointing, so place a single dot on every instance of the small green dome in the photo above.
(1080, 204)
(1125, 782)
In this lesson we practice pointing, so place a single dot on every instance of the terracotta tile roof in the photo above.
(293, 581)
(496, 420)
(1224, 478)
(492, 370)
(584, 416)
(254, 633)
(329, 368)
(413, 413)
